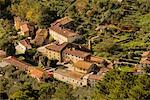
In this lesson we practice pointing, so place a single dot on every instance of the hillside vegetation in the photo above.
(122, 30)
(127, 23)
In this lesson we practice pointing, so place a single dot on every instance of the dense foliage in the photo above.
(122, 30)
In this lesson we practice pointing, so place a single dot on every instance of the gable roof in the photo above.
(56, 47)
(62, 31)
(62, 21)
(77, 53)
(41, 35)
(96, 59)
(15, 62)
(83, 64)
(26, 43)
(42, 32)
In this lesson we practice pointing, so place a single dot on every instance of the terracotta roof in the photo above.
(77, 53)
(35, 72)
(145, 54)
(42, 32)
(83, 64)
(69, 73)
(41, 35)
(2, 53)
(25, 27)
(62, 21)
(64, 32)
(15, 62)
(95, 77)
(26, 43)
(96, 59)
(56, 47)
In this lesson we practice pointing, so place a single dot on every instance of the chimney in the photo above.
(89, 45)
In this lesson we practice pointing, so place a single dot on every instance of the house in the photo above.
(41, 35)
(17, 22)
(71, 77)
(98, 61)
(62, 21)
(85, 67)
(37, 73)
(53, 51)
(63, 35)
(15, 62)
(71, 54)
(22, 46)
(25, 29)
(145, 59)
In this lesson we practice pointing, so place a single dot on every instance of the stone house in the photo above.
(71, 77)
(41, 35)
(63, 35)
(53, 51)
(71, 54)
(85, 67)
(22, 46)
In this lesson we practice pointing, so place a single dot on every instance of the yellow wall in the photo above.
(72, 58)
(61, 39)
(53, 54)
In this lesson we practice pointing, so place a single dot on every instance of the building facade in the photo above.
(71, 77)
(63, 35)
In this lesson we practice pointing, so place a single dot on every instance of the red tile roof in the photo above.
(56, 47)
(62, 21)
(36, 73)
(26, 43)
(64, 32)
(96, 59)
(77, 53)
(83, 64)
(15, 62)
(41, 35)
